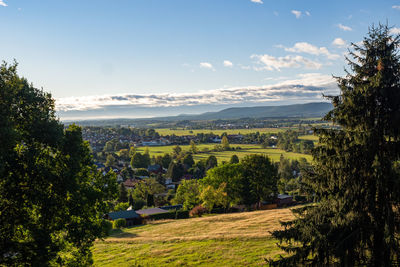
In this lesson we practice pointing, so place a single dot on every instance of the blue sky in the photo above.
(88, 52)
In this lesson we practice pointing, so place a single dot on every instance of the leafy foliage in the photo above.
(51, 195)
(175, 171)
(119, 223)
(187, 194)
(197, 211)
(234, 159)
(140, 160)
(260, 179)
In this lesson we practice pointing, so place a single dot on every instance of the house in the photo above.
(151, 211)
(156, 168)
(169, 184)
(131, 217)
(284, 199)
(216, 140)
(130, 183)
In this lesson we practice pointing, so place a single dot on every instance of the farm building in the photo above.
(131, 217)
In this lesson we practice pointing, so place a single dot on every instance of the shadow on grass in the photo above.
(119, 233)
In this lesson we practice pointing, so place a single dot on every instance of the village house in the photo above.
(131, 217)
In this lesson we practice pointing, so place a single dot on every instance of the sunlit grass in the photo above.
(241, 239)
(246, 149)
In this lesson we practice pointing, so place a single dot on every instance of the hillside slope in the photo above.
(297, 110)
(240, 239)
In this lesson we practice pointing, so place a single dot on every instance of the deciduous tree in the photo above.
(52, 198)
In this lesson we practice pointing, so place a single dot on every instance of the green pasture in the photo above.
(180, 132)
(246, 149)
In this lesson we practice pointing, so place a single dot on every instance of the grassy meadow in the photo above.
(239, 239)
(246, 149)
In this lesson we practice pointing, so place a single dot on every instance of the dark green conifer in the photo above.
(356, 221)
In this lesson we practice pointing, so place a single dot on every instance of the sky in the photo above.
(165, 57)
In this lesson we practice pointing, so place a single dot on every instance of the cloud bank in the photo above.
(308, 87)
(344, 28)
(270, 63)
(228, 63)
(304, 47)
(339, 42)
(2, 3)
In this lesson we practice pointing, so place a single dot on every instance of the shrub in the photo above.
(161, 216)
(142, 172)
(107, 226)
(300, 198)
(197, 211)
(119, 223)
(182, 214)
(218, 210)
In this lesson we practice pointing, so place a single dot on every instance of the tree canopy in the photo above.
(52, 198)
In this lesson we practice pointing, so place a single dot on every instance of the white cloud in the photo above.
(309, 86)
(257, 1)
(308, 13)
(206, 65)
(271, 63)
(396, 7)
(2, 3)
(344, 28)
(339, 42)
(244, 67)
(394, 31)
(296, 13)
(303, 47)
(228, 63)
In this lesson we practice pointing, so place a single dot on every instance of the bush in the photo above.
(107, 226)
(197, 211)
(300, 198)
(218, 210)
(142, 172)
(161, 216)
(182, 214)
(119, 223)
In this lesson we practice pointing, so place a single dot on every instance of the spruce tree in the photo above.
(123, 193)
(356, 221)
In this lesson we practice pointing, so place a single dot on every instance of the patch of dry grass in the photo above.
(253, 224)
(242, 239)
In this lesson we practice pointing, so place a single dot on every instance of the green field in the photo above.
(308, 137)
(180, 132)
(246, 149)
(239, 239)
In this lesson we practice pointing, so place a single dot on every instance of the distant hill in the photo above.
(297, 110)
(287, 111)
